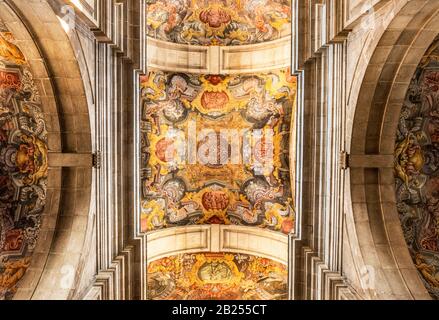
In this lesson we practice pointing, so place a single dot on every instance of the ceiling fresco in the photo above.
(216, 150)
(220, 22)
(217, 276)
(417, 169)
(23, 164)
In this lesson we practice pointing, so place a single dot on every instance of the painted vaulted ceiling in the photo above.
(216, 149)
(219, 22)
(239, 171)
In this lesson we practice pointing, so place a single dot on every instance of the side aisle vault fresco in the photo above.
(417, 169)
(217, 149)
(23, 164)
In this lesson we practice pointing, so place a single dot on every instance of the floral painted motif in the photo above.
(191, 177)
(417, 169)
(217, 276)
(219, 22)
(23, 164)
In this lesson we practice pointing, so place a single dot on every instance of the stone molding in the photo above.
(217, 238)
(263, 57)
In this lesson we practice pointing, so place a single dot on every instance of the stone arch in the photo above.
(374, 233)
(68, 214)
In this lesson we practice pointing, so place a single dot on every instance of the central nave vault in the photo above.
(217, 150)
